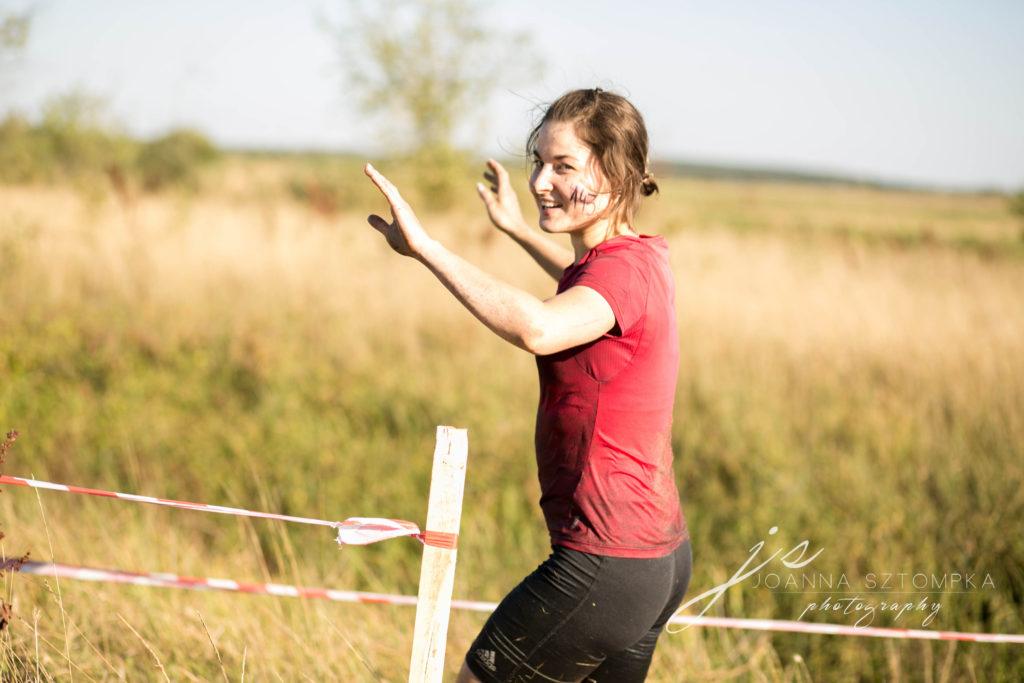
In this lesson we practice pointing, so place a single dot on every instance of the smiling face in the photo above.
(566, 182)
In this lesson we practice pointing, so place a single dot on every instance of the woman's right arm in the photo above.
(574, 317)
(503, 210)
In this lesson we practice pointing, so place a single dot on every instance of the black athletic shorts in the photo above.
(582, 617)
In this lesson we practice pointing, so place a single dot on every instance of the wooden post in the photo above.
(437, 573)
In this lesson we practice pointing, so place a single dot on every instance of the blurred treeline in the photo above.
(72, 141)
(75, 140)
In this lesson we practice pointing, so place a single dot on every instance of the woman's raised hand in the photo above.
(500, 200)
(404, 233)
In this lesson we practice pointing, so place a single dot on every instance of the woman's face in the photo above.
(566, 183)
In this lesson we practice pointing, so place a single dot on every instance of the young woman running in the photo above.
(608, 356)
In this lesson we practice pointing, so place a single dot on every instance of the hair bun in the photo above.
(647, 184)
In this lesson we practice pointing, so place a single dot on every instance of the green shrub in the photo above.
(1017, 205)
(24, 156)
(78, 141)
(174, 159)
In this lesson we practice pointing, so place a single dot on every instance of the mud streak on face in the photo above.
(582, 196)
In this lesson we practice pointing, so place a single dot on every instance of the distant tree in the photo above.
(82, 136)
(76, 109)
(424, 70)
(14, 31)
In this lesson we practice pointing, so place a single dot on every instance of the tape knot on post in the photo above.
(439, 539)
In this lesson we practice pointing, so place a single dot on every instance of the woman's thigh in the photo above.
(632, 663)
(574, 611)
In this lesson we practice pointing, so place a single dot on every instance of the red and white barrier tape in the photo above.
(842, 630)
(193, 583)
(352, 531)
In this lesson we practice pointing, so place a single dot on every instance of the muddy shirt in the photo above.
(604, 423)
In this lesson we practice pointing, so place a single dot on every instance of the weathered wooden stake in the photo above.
(437, 573)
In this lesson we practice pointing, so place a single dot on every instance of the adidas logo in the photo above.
(486, 657)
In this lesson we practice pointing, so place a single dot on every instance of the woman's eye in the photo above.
(559, 167)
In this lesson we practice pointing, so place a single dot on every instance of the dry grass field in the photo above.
(852, 372)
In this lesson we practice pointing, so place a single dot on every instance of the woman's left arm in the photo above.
(574, 317)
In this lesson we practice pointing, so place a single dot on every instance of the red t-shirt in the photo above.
(604, 423)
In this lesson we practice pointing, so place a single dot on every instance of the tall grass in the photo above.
(237, 347)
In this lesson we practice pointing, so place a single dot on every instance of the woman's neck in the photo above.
(586, 239)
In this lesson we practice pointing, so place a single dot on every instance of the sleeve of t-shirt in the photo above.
(618, 277)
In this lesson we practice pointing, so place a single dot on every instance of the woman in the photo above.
(607, 355)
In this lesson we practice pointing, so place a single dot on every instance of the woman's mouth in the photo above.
(549, 206)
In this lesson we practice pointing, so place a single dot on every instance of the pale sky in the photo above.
(923, 91)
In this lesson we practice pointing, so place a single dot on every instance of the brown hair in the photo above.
(614, 131)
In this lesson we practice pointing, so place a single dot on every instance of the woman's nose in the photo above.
(541, 180)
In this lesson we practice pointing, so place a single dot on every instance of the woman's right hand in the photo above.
(500, 200)
(404, 233)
